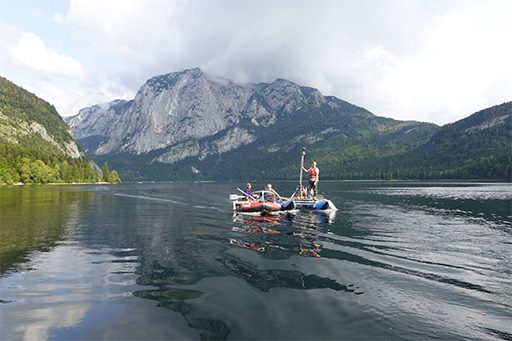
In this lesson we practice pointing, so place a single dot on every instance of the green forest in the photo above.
(39, 166)
(27, 157)
(477, 147)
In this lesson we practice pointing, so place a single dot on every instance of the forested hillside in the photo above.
(477, 147)
(35, 143)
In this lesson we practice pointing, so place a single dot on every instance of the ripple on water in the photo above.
(395, 262)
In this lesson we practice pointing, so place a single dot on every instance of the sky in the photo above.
(425, 60)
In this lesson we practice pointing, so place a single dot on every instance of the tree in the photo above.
(24, 170)
(40, 172)
(104, 172)
(114, 177)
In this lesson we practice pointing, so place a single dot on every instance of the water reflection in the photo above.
(187, 259)
(176, 300)
(35, 218)
(64, 290)
(40, 321)
(169, 261)
(282, 235)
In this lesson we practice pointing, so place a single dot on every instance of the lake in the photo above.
(399, 260)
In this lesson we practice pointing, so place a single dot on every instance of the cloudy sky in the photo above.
(435, 61)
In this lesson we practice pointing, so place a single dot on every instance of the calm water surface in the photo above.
(170, 261)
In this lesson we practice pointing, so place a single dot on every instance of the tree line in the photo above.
(18, 165)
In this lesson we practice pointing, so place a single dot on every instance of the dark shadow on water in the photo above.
(265, 280)
(361, 260)
(498, 333)
(175, 299)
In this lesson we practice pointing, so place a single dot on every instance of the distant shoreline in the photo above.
(449, 181)
(60, 183)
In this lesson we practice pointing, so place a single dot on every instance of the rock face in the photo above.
(189, 120)
(177, 111)
(26, 118)
(96, 120)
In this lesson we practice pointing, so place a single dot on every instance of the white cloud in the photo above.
(27, 53)
(30, 52)
(55, 77)
(315, 43)
(464, 66)
(407, 59)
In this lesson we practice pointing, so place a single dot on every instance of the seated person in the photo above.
(248, 192)
(273, 195)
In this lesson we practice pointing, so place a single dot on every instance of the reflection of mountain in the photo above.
(178, 264)
(175, 300)
(265, 280)
(34, 219)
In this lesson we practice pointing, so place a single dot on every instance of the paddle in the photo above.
(247, 195)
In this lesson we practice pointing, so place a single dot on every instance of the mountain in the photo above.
(476, 147)
(189, 125)
(35, 143)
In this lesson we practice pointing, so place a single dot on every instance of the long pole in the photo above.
(247, 195)
(301, 166)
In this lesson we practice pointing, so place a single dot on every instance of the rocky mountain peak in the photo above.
(164, 82)
(179, 109)
(284, 95)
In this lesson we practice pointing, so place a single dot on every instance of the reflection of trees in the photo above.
(34, 218)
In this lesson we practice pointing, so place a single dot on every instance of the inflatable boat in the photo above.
(317, 204)
(304, 199)
(260, 202)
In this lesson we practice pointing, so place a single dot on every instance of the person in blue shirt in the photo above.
(247, 191)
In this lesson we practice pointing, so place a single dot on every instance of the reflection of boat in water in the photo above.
(315, 218)
(269, 220)
(281, 235)
(260, 202)
(247, 245)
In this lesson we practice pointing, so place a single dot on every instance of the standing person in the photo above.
(314, 173)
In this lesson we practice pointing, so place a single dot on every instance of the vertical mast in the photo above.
(301, 166)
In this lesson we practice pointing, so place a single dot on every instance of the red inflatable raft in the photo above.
(261, 201)
(257, 206)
